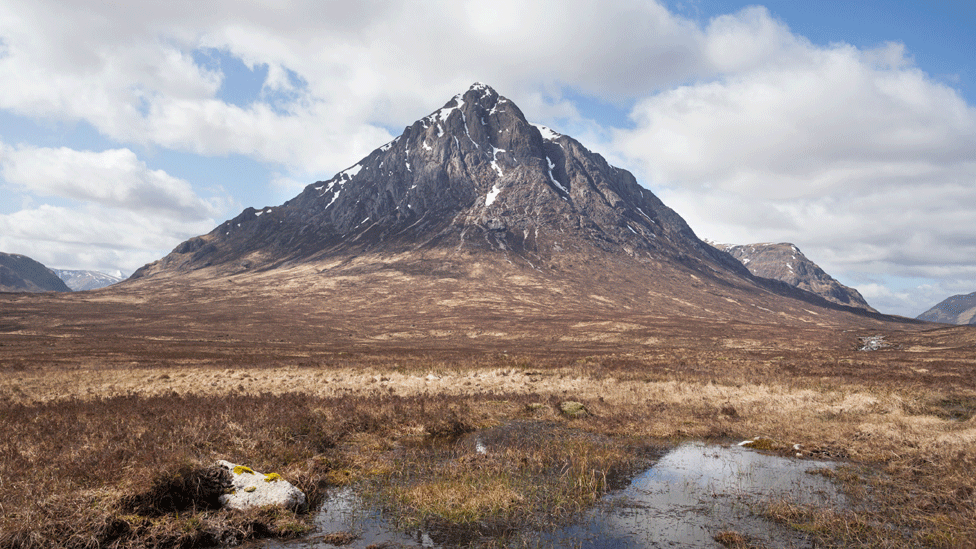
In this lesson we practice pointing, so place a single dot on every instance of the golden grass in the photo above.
(92, 436)
(461, 500)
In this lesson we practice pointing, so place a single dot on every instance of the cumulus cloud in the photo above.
(114, 178)
(93, 236)
(115, 212)
(857, 156)
(129, 69)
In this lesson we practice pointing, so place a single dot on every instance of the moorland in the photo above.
(112, 400)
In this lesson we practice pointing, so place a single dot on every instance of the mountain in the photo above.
(473, 210)
(785, 262)
(473, 175)
(20, 273)
(958, 309)
(86, 280)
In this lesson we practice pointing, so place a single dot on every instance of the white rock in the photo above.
(254, 489)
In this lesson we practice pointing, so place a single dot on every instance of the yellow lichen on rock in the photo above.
(247, 490)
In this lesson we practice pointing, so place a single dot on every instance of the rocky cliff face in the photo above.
(473, 176)
(20, 273)
(473, 210)
(785, 262)
(958, 309)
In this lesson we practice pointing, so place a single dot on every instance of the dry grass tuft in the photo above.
(187, 488)
(732, 540)
(501, 480)
(337, 539)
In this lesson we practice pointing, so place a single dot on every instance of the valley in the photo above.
(478, 276)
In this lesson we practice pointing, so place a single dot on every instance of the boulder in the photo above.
(253, 489)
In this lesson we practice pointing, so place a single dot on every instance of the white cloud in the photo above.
(129, 70)
(114, 178)
(912, 300)
(114, 211)
(93, 236)
(856, 156)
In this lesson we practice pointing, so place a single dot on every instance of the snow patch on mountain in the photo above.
(492, 195)
(547, 133)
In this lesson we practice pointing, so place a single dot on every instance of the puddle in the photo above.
(692, 493)
(343, 511)
(696, 491)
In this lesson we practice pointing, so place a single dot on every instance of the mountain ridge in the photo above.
(19, 273)
(467, 167)
(785, 262)
(474, 193)
(80, 280)
(958, 309)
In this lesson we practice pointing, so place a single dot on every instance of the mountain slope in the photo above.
(79, 280)
(473, 208)
(20, 273)
(958, 309)
(785, 262)
(474, 175)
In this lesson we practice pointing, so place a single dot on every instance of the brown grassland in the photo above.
(109, 411)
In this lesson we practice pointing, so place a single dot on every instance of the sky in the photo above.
(846, 128)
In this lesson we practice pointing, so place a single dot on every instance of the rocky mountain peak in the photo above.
(472, 176)
(786, 263)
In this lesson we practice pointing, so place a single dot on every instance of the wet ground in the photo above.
(690, 495)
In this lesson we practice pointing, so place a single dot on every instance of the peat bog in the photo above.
(111, 403)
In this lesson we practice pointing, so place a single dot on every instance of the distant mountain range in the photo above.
(19, 273)
(958, 309)
(473, 210)
(86, 280)
(785, 262)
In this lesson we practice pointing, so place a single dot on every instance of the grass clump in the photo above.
(732, 540)
(501, 480)
(184, 488)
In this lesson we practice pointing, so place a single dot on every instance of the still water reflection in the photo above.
(694, 492)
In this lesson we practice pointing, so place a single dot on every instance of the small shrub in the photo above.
(449, 428)
(186, 488)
